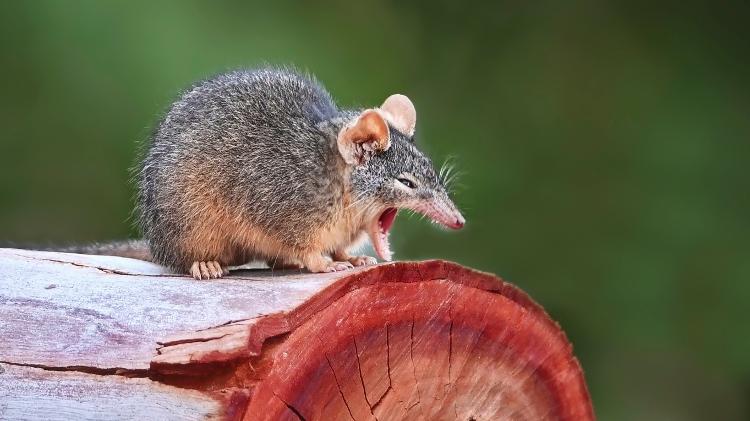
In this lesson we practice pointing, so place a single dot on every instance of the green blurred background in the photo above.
(604, 147)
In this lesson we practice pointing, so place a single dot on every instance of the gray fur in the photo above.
(266, 139)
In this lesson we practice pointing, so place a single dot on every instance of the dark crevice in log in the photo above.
(390, 380)
(113, 371)
(231, 322)
(361, 377)
(99, 268)
(388, 356)
(338, 384)
(188, 341)
(375, 406)
(240, 373)
(414, 368)
(290, 407)
(450, 355)
(449, 386)
(202, 377)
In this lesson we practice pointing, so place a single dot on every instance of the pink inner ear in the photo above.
(371, 127)
(401, 113)
(370, 130)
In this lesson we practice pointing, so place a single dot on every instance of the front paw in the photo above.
(338, 266)
(207, 270)
(363, 261)
(320, 264)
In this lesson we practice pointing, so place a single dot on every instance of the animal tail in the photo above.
(134, 249)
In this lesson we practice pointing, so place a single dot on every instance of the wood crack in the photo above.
(361, 377)
(189, 341)
(414, 369)
(341, 392)
(375, 406)
(449, 385)
(99, 268)
(290, 407)
(111, 371)
(390, 380)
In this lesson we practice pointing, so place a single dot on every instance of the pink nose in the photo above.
(458, 223)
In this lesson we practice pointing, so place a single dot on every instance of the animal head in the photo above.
(390, 173)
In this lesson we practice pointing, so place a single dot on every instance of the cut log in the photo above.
(102, 337)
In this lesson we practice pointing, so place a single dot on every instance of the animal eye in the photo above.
(405, 181)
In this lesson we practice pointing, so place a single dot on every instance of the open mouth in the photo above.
(447, 216)
(379, 233)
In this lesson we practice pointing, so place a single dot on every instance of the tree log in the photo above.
(99, 337)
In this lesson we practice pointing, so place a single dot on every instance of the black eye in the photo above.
(408, 183)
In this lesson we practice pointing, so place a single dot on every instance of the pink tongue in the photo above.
(387, 218)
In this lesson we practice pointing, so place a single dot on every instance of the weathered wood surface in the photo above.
(67, 309)
(34, 394)
(107, 338)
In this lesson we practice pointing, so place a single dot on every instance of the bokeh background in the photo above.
(603, 145)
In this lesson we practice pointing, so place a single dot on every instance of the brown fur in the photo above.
(221, 233)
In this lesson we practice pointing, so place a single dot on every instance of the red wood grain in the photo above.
(451, 350)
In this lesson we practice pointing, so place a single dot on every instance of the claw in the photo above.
(342, 266)
(207, 270)
(363, 261)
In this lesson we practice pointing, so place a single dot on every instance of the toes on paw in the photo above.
(207, 270)
(364, 261)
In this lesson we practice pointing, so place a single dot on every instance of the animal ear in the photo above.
(366, 135)
(401, 113)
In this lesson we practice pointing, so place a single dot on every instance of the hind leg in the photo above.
(207, 270)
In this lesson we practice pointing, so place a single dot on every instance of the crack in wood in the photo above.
(111, 371)
(449, 386)
(414, 369)
(189, 341)
(450, 352)
(390, 381)
(341, 392)
(290, 407)
(388, 366)
(388, 354)
(99, 268)
(375, 406)
(232, 322)
(361, 377)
